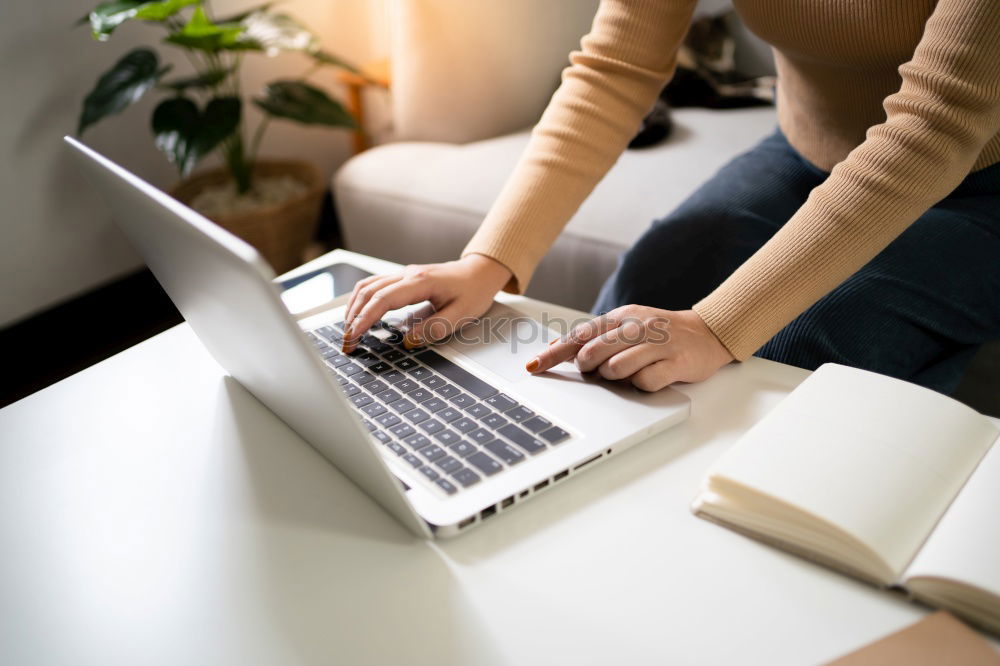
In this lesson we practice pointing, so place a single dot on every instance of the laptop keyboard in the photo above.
(452, 427)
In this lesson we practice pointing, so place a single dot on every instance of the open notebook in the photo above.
(882, 479)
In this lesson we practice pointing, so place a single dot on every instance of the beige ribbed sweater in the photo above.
(900, 99)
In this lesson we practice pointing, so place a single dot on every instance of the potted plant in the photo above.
(271, 204)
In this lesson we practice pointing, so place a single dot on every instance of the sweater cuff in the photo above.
(720, 318)
(519, 265)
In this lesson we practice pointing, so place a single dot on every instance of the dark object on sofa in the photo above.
(706, 76)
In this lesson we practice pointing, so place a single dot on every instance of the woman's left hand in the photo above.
(651, 348)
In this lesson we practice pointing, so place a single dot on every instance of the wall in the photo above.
(56, 239)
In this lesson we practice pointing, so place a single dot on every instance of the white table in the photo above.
(152, 512)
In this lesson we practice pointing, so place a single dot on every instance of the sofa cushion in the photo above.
(421, 202)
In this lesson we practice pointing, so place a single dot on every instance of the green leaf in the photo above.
(109, 15)
(206, 80)
(325, 58)
(273, 33)
(186, 135)
(120, 86)
(200, 33)
(301, 102)
(238, 18)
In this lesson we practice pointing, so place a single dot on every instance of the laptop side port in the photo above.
(488, 512)
(588, 461)
(507, 502)
(465, 523)
(560, 476)
(539, 486)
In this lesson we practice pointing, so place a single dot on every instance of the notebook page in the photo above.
(877, 457)
(965, 545)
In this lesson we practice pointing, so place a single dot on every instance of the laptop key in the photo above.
(392, 355)
(427, 471)
(449, 414)
(480, 436)
(388, 395)
(554, 435)
(367, 359)
(519, 413)
(376, 387)
(363, 377)
(417, 415)
(504, 452)
(381, 436)
(466, 477)
(393, 376)
(433, 382)
(402, 430)
(361, 400)
(350, 390)
(368, 424)
(387, 420)
(420, 395)
(462, 400)
(401, 405)
(434, 405)
(447, 437)
(374, 409)
(500, 402)
(479, 411)
(447, 391)
(413, 460)
(457, 375)
(396, 448)
(407, 385)
(430, 427)
(463, 448)
(432, 452)
(484, 463)
(464, 424)
(416, 441)
(522, 438)
(495, 421)
(338, 361)
(537, 424)
(350, 368)
(340, 378)
(380, 367)
(407, 364)
(448, 464)
(421, 372)
(446, 485)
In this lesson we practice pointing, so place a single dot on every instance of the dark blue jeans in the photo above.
(917, 311)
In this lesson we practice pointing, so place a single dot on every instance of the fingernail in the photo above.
(411, 341)
(553, 341)
(532, 365)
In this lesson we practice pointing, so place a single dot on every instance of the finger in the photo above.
(358, 286)
(436, 326)
(609, 343)
(655, 376)
(362, 294)
(565, 348)
(402, 293)
(630, 361)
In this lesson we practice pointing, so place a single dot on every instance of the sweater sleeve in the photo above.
(610, 85)
(946, 110)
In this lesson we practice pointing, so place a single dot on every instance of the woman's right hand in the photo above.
(458, 290)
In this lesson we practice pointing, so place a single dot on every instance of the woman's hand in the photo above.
(649, 347)
(458, 290)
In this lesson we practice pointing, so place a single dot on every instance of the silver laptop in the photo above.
(444, 438)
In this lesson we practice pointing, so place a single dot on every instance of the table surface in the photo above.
(152, 511)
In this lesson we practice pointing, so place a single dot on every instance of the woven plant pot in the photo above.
(280, 232)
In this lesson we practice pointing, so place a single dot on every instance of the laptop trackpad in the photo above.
(504, 340)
